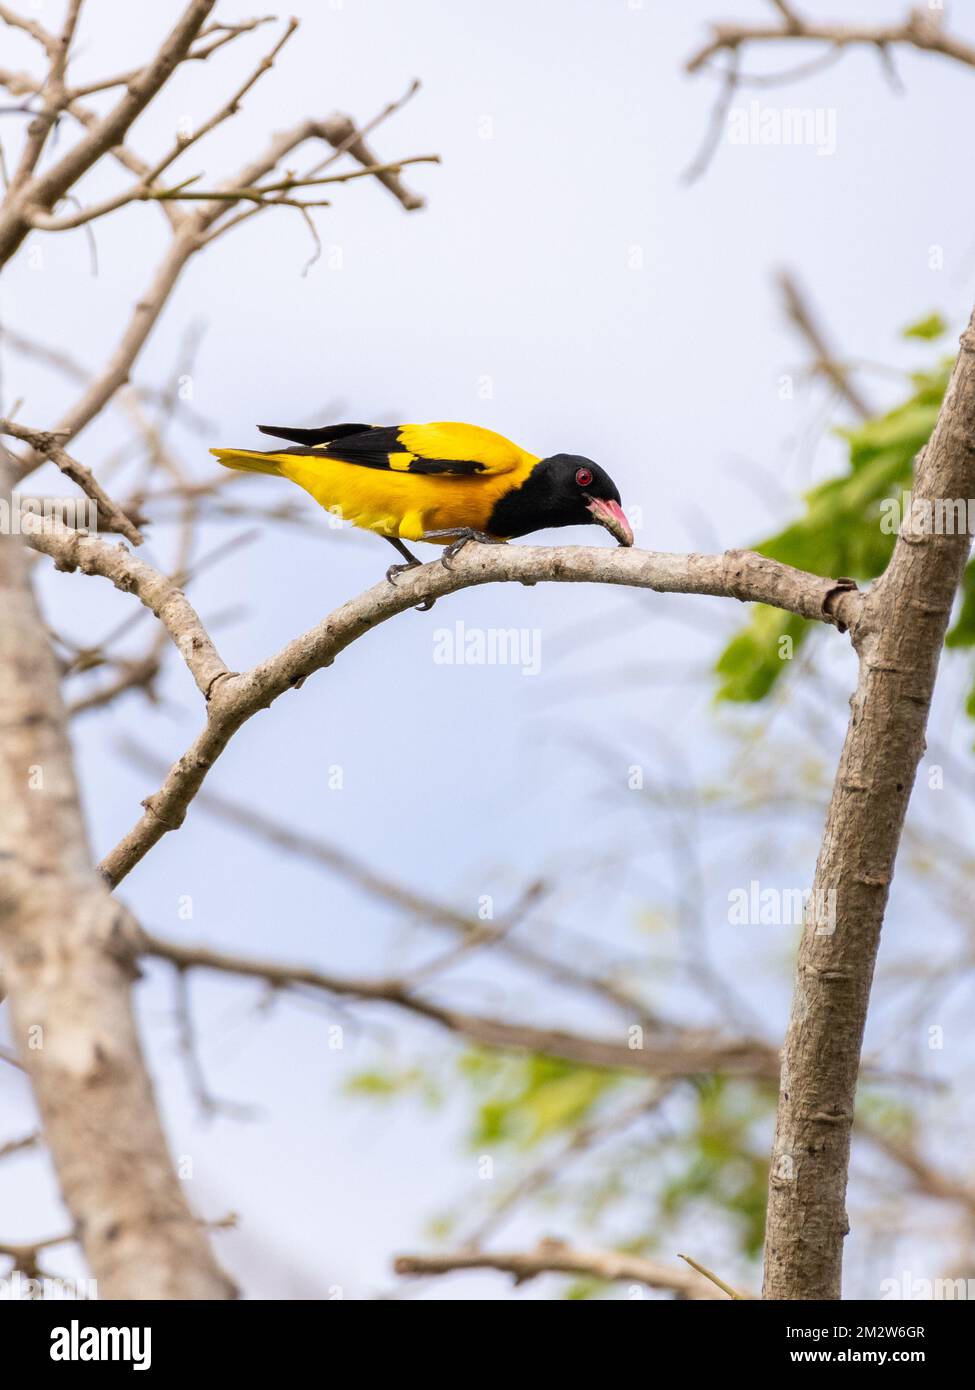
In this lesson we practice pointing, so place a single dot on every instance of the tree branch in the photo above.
(736, 574)
(144, 189)
(556, 1257)
(30, 26)
(72, 551)
(898, 635)
(219, 36)
(341, 132)
(53, 96)
(67, 960)
(919, 30)
(686, 1054)
(192, 232)
(47, 445)
(824, 360)
(109, 131)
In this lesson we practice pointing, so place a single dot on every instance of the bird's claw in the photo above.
(394, 571)
(461, 538)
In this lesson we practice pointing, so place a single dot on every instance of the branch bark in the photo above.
(919, 30)
(67, 962)
(47, 445)
(736, 574)
(71, 550)
(556, 1257)
(898, 634)
(192, 232)
(825, 361)
(66, 947)
(45, 190)
(687, 1053)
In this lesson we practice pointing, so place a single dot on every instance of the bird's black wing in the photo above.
(368, 446)
(323, 435)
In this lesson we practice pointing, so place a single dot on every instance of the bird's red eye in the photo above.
(584, 477)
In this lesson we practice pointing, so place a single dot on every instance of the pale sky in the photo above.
(565, 287)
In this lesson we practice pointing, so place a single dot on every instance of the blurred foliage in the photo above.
(697, 1162)
(725, 1153)
(885, 1114)
(522, 1099)
(933, 326)
(840, 532)
(704, 1157)
(390, 1083)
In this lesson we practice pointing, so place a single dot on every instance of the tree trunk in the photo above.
(898, 635)
(67, 954)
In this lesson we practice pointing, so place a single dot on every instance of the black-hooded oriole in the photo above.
(446, 483)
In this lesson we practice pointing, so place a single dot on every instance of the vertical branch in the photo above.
(899, 635)
(67, 965)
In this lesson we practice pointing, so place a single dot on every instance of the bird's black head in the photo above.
(564, 490)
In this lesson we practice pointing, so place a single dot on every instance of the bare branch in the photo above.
(25, 1256)
(130, 401)
(67, 970)
(47, 445)
(30, 26)
(53, 100)
(269, 195)
(919, 30)
(71, 550)
(710, 1275)
(824, 360)
(736, 574)
(219, 35)
(686, 1054)
(341, 132)
(45, 190)
(145, 190)
(933, 1182)
(716, 125)
(191, 234)
(184, 193)
(583, 1138)
(787, 13)
(430, 910)
(556, 1257)
(16, 1146)
(132, 675)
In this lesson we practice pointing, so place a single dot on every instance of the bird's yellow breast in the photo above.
(399, 503)
(400, 480)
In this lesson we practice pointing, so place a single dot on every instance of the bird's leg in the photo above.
(411, 564)
(461, 537)
(408, 556)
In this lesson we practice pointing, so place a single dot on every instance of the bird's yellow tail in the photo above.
(248, 461)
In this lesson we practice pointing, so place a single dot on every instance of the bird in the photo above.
(447, 483)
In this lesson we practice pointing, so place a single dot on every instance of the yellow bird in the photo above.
(447, 483)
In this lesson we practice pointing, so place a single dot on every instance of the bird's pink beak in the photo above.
(612, 516)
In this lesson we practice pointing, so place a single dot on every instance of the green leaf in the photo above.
(726, 1163)
(525, 1098)
(373, 1083)
(751, 663)
(842, 532)
(933, 326)
(963, 632)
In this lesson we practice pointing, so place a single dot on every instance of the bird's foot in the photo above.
(461, 538)
(412, 563)
(394, 571)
